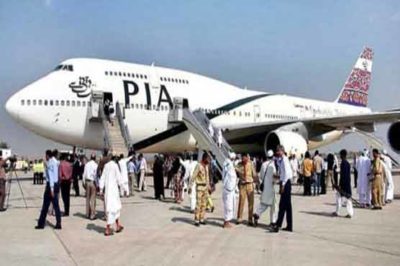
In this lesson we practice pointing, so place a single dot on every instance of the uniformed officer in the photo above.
(377, 181)
(247, 175)
(201, 179)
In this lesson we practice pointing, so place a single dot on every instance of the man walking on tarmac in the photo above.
(201, 178)
(51, 192)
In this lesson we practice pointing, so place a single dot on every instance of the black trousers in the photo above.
(355, 177)
(65, 187)
(307, 185)
(35, 178)
(76, 185)
(41, 178)
(285, 206)
(169, 179)
(47, 199)
(322, 182)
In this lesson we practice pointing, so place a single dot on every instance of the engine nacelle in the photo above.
(290, 140)
(393, 136)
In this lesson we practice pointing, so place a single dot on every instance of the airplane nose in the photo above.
(12, 107)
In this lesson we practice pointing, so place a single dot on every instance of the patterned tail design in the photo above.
(355, 90)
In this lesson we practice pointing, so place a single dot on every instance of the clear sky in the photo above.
(304, 48)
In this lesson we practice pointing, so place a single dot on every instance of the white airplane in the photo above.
(57, 107)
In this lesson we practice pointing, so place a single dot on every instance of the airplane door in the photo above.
(154, 83)
(257, 113)
(154, 79)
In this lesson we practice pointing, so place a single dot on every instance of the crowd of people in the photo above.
(110, 178)
(114, 176)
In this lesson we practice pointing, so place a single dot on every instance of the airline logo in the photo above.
(355, 90)
(82, 87)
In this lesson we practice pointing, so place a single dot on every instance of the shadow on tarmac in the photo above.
(96, 228)
(325, 214)
(209, 221)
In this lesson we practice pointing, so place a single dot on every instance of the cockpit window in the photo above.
(64, 68)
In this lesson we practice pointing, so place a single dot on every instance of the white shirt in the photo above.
(285, 170)
(229, 177)
(143, 165)
(90, 171)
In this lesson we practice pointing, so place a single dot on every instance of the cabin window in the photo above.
(28, 102)
(83, 104)
(40, 102)
(73, 103)
(68, 103)
(78, 103)
(34, 102)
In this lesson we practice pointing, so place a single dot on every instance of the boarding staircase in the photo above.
(373, 141)
(116, 135)
(198, 124)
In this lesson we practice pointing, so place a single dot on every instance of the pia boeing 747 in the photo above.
(57, 106)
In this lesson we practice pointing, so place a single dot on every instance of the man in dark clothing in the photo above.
(343, 191)
(76, 169)
(158, 174)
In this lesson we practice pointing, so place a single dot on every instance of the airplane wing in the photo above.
(363, 122)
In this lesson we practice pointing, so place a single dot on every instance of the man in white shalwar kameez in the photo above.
(110, 179)
(389, 186)
(229, 179)
(268, 195)
(123, 166)
(363, 186)
(192, 166)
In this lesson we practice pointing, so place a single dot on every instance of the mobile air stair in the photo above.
(198, 124)
(116, 135)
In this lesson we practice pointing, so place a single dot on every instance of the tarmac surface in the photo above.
(162, 233)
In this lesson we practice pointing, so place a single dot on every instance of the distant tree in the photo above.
(4, 145)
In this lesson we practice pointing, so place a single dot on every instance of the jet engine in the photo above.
(393, 136)
(290, 140)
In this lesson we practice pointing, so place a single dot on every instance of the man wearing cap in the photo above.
(246, 175)
(267, 199)
(377, 171)
(389, 186)
(363, 187)
(229, 180)
(201, 179)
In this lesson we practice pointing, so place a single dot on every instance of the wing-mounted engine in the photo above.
(393, 136)
(293, 137)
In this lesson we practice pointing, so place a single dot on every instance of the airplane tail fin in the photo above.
(355, 90)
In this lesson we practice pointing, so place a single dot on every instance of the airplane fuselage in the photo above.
(57, 106)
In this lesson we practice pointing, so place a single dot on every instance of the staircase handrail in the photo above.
(107, 141)
(122, 126)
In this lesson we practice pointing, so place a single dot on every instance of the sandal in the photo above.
(108, 233)
(119, 230)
